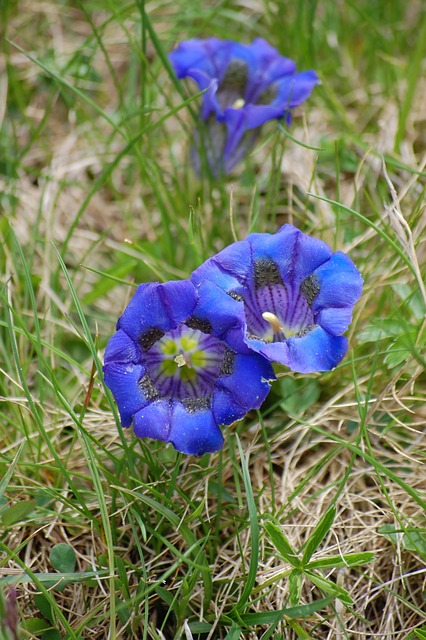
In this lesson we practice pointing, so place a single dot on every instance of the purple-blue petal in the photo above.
(154, 421)
(296, 254)
(195, 432)
(225, 408)
(293, 90)
(335, 320)
(229, 269)
(121, 348)
(249, 382)
(316, 351)
(162, 306)
(123, 380)
(224, 314)
(340, 283)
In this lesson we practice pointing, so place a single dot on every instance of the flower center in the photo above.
(232, 88)
(275, 310)
(185, 364)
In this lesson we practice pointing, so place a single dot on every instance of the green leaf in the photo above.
(345, 560)
(295, 581)
(386, 328)
(53, 578)
(301, 611)
(329, 587)
(421, 633)
(234, 632)
(62, 558)
(412, 539)
(318, 534)
(44, 606)
(18, 512)
(298, 394)
(51, 634)
(36, 626)
(281, 543)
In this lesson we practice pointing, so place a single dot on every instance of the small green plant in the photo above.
(304, 568)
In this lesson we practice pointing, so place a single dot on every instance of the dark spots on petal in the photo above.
(150, 337)
(304, 332)
(149, 389)
(266, 272)
(252, 336)
(233, 84)
(236, 296)
(267, 96)
(310, 288)
(192, 405)
(227, 366)
(197, 323)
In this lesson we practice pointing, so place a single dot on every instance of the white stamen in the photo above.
(182, 359)
(239, 103)
(273, 321)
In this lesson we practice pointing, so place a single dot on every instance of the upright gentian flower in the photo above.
(171, 373)
(246, 85)
(292, 297)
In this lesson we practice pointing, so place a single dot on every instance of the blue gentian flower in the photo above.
(246, 85)
(172, 375)
(291, 297)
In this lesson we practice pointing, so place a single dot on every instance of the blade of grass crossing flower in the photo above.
(318, 534)
(254, 532)
(298, 142)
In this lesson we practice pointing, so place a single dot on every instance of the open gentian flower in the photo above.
(292, 297)
(171, 373)
(246, 85)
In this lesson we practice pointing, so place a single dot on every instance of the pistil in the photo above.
(183, 359)
(239, 103)
(273, 321)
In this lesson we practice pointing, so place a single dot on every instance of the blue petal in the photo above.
(340, 283)
(194, 433)
(248, 382)
(293, 90)
(225, 408)
(229, 269)
(162, 306)
(210, 55)
(335, 321)
(123, 380)
(153, 421)
(296, 254)
(224, 314)
(236, 125)
(317, 351)
(121, 348)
